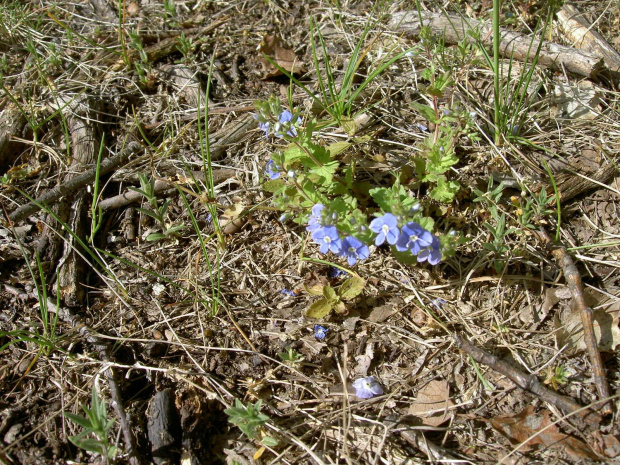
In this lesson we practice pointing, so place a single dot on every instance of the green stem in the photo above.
(496, 72)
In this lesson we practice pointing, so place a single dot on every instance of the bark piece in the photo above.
(578, 30)
(512, 44)
(164, 428)
(12, 123)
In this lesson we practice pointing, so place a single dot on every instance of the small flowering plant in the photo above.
(367, 388)
(316, 186)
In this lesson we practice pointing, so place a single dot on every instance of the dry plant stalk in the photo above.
(527, 382)
(573, 279)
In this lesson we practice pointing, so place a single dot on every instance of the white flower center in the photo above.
(327, 239)
(385, 228)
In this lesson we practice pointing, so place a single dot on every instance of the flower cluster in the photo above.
(324, 232)
(411, 237)
(286, 124)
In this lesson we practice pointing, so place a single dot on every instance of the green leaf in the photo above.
(351, 288)
(317, 289)
(84, 422)
(319, 309)
(426, 111)
(337, 148)
(445, 190)
(324, 173)
(340, 307)
(274, 185)
(146, 212)
(382, 196)
(329, 293)
(293, 152)
(90, 444)
(269, 441)
(155, 237)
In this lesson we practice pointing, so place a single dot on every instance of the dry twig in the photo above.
(103, 347)
(573, 279)
(74, 184)
(527, 382)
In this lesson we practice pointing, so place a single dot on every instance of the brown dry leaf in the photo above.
(606, 329)
(606, 444)
(231, 220)
(522, 426)
(274, 48)
(383, 312)
(434, 396)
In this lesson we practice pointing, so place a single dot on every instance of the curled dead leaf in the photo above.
(232, 220)
(285, 58)
(536, 431)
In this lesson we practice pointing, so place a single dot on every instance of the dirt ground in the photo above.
(181, 326)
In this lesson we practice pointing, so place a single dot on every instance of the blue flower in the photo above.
(263, 125)
(386, 227)
(438, 303)
(354, 250)
(320, 332)
(432, 254)
(289, 293)
(335, 272)
(272, 170)
(286, 121)
(414, 238)
(366, 388)
(315, 221)
(328, 238)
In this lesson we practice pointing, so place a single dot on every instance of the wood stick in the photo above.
(75, 183)
(103, 347)
(526, 382)
(160, 186)
(512, 44)
(573, 279)
(577, 29)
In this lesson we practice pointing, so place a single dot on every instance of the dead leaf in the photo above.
(383, 312)
(364, 360)
(274, 48)
(231, 220)
(570, 330)
(606, 445)
(526, 424)
(432, 397)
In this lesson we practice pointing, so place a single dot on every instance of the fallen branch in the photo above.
(577, 29)
(573, 279)
(455, 28)
(527, 382)
(103, 347)
(160, 186)
(73, 184)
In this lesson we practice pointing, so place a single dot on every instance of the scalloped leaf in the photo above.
(351, 288)
(319, 309)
